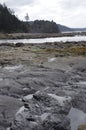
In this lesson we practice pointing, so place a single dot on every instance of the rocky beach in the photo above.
(42, 65)
(43, 86)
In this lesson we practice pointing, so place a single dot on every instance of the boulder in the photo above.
(43, 112)
(19, 44)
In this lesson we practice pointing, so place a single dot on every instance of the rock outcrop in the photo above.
(42, 96)
(43, 112)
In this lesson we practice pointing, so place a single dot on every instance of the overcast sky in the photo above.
(71, 13)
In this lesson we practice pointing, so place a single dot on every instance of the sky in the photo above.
(71, 13)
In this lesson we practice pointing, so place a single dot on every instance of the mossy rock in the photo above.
(19, 44)
(82, 127)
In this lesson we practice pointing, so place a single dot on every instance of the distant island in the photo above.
(63, 28)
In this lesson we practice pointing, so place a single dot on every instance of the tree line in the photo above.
(41, 26)
(9, 23)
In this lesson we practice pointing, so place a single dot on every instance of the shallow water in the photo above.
(44, 40)
(13, 68)
(77, 118)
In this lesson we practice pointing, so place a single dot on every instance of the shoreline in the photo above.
(38, 35)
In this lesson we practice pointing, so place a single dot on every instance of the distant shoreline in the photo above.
(38, 35)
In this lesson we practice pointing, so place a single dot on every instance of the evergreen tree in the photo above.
(9, 22)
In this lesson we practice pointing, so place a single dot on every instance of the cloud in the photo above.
(68, 5)
(18, 3)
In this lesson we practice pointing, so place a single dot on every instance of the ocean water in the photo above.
(45, 40)
(77, 117)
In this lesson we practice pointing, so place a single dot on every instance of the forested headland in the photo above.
(9, 23)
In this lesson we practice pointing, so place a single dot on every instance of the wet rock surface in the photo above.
(38, 87)
(40, 98)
